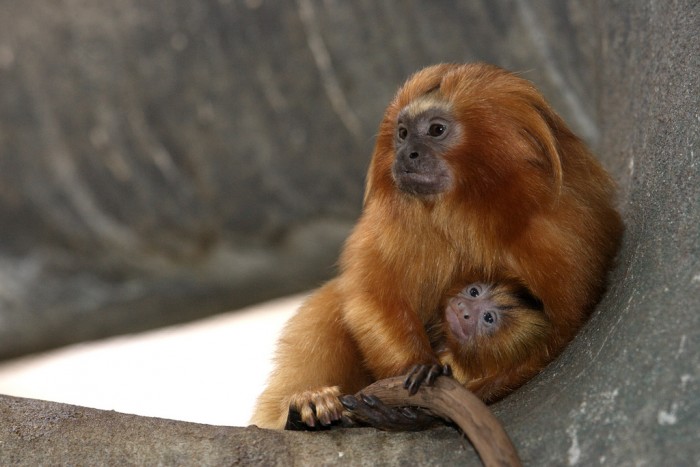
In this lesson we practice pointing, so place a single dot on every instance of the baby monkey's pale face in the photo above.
(483, 310)
(474, 312)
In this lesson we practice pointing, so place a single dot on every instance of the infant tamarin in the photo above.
(493, 336)
(473, 177)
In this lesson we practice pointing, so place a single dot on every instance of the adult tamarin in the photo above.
(473, 178)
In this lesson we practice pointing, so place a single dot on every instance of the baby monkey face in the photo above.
(475, 311)
(482, 310)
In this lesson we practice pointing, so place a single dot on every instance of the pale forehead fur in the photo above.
(424, 103)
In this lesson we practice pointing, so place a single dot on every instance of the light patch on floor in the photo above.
(210, 371)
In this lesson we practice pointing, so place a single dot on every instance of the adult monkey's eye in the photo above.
(436, 129)
(402, 133)
(488, 317)
(474, 292)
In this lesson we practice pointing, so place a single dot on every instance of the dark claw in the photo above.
(446, 370)
(408, 413)
(409, 376)
(415, 378)
(348, 401)
(371, 411)
(433, 372)
(294, 422)
(427, 374)
(371, 401)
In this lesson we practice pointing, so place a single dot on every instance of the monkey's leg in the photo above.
(315, 409)
(316, 360)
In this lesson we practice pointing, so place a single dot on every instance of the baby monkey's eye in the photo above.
(436, 129)
(488, 317)
(474, 292)
(402, 133)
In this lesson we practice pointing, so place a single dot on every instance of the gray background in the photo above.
(161, 161)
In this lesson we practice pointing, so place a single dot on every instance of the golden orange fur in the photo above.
(528, 202)
(492, 362)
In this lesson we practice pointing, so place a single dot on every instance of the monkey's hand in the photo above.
(370, 410)
(314, 409)
(420, 374)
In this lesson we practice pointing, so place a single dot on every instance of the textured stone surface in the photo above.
(39, 433)
(625, 391)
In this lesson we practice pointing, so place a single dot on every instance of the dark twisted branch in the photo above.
(448, 399)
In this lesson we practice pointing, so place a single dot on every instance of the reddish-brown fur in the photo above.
(529, 203)
(492, 363)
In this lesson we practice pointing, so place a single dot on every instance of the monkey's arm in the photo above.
(384, 288)
(389, 334)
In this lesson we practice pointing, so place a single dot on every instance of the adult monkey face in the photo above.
(425, 131)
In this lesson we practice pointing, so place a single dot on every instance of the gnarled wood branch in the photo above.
(450, 400)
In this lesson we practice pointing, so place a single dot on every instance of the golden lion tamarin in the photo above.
(490, 337)
(473, 178)
(493, 336)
